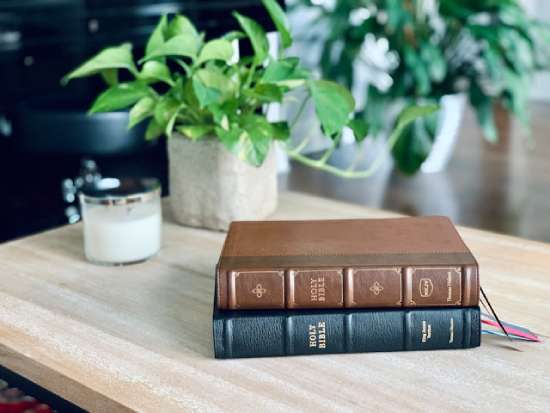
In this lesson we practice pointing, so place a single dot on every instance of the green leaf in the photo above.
(419, 70)
(257, 36)
(157, 37)
(412, 136)
(110, 76)
(218, 49)
(433, 58)
(119, 57)
(221, 113)
(154, 130)
(257, 126)
(154, 70)
(211, 86)
(230, 138)
(413, 147)
(516, 95)
(181, 45)
(333, 105)
(234, 35)
(413, 112)
(278, 70)
(181, 25)
(119, 97)
(252, 144)
(279, 19)
(187, 92)
(205, 95)
(170, 125)
(360, 129)
(265, 93)
(141, 110)
(260, 133)
(166, 112)
(285, 72)
(281, 131)
(484, 112)
(483, 106)
(214, 78)
(195, 132)
(166, 108)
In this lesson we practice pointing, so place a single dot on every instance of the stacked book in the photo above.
(343, 286)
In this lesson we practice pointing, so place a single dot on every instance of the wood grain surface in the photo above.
(138, 338)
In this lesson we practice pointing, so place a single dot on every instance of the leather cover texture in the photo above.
(294, 332)
(356, 263)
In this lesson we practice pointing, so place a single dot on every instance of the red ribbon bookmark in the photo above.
(510, 330)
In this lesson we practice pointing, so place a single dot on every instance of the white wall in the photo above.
(539, 9)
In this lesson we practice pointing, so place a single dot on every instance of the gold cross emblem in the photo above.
(259, 291)
(376, 288)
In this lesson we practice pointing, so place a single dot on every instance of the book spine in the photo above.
(349, 287)
(278, 333)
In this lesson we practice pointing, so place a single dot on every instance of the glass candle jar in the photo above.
(122, 220)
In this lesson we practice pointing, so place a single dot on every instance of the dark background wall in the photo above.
(44, 133)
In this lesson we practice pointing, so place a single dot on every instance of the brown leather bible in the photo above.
(361, 263)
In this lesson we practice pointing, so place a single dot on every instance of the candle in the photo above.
(122, 221)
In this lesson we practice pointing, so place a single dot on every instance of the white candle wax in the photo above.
(122, 233)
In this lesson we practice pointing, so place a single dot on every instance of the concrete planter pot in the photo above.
(210, 187)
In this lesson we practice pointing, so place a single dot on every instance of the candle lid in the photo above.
(120, 191)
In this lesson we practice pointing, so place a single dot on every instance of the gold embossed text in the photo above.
(317, 289)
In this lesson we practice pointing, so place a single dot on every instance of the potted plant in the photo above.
(433, 51)
(210, 103)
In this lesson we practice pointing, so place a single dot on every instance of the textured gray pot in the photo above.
(210, 187)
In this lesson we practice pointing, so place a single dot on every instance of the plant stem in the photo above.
(196, 117)
(185, 67)
(251, 72)
(330, 150)
(299, 112)
(169, 82)
(300, 146)
(347, 173)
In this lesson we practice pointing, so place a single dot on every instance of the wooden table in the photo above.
(139, 338)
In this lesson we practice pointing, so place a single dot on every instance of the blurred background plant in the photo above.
(211, 92)
(418, 51)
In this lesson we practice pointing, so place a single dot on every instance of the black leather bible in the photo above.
(285, 333)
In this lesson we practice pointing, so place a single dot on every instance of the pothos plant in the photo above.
(202, 89)
(420, 50)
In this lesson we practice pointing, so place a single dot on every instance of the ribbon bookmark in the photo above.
(509, 330)
(518, 332)
(494, 313)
